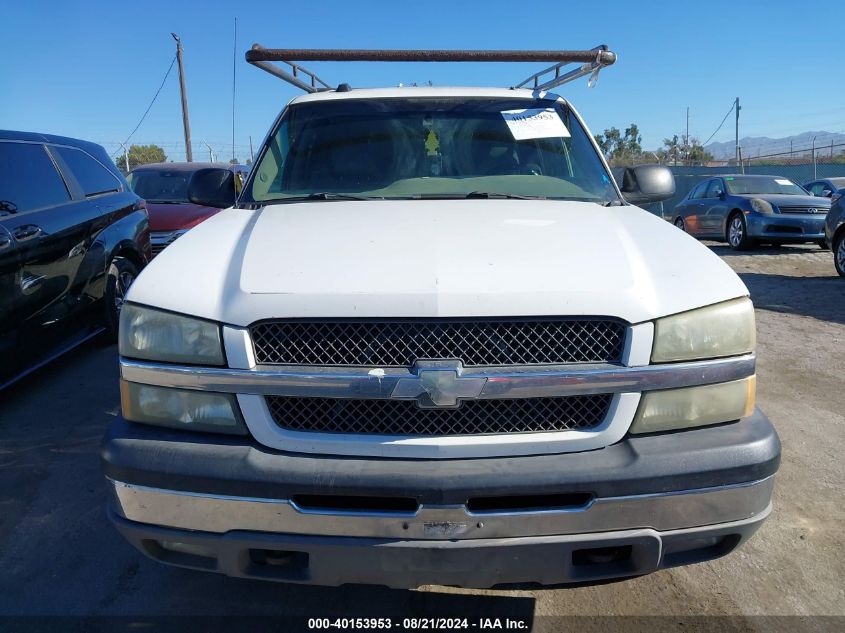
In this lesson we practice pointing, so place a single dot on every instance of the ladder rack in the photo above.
(591, 62)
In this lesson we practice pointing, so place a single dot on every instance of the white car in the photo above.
(432, 343)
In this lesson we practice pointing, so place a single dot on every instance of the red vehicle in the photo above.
(165, 188)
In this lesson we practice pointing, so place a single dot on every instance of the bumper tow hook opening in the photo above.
(601, 555)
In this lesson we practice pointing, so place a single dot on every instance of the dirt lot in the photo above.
(60, 556)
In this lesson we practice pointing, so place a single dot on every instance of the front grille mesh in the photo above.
(399, 343)
(816, 210)
(406, 418)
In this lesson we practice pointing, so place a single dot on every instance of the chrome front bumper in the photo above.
(438, 545)
(232, 505)
(661, 511)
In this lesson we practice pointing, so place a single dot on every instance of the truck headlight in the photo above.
(150, 334)
(689, 407)
(723, 329)
(761, 206)
(181, 408)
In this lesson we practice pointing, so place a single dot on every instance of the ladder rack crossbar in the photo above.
(591, 61)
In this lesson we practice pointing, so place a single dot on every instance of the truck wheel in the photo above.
(839, 253)
(679, 222)
(738, 233)
(120, 275)
(823, 245)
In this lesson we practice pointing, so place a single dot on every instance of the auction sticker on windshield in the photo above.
(534, 123)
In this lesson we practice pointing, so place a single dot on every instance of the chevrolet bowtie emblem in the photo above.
(438, 385)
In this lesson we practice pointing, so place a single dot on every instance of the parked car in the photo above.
(834, 230)
(434, 343)
(165, 188)
(744, 210)
(73, 236)
(826, 187)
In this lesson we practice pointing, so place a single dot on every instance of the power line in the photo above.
(733, 105)
(146, 112)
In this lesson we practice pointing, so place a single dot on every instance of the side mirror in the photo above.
(722, 195)
(827, 193)
(212, 187)
(647, 183)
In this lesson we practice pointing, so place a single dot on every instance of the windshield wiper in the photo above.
(477, 195)
(503, 196)
(323, 195)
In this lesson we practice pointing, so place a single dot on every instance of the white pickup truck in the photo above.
(434, 343)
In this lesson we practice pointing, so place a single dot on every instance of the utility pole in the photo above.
(737, 108)
(234, 78)
(814, 159)
(125, 157)
(686, 138)
(188, 153)
(251, 155)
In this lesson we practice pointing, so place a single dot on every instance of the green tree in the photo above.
(631, 142)
(141, 155)
(619, 147)
(696, 154)
(671, 150)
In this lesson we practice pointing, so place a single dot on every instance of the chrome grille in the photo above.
(399, 343)
(405, 418)
(159, 240)
(816, 210)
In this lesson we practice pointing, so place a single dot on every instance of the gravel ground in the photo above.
(60, 556)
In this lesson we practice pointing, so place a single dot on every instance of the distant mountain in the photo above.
(752, 146)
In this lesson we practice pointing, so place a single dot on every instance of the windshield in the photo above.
(762, 185)
(428, 148)
(160, 185)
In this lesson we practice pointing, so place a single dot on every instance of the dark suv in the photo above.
(73, 237)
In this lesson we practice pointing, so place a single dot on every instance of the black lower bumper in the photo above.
(401, 564)
(648, 502)
(743, 451)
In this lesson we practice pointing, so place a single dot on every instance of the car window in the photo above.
(698, 191)
(714, 189)
(91, 175)
(28, 179)
(744, 185)
(815, 188)
(160, 185)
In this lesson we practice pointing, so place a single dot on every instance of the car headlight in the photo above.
(150, 334)
(690, 407)
(761, 206)
(181, 408)
(723, 329)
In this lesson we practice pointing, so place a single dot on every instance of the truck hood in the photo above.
(178, 215)
(427, 258)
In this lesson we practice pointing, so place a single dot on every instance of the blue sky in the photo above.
(89, 69)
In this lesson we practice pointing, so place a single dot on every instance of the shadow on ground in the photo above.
(723, 250)
(821, 298)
